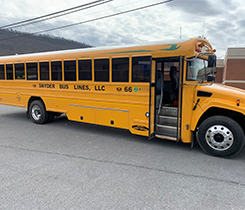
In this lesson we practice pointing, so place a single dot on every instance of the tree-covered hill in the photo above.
(26, 43)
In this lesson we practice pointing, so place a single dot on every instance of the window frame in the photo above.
(127, 71)
(41, 73)
(102, 71)
(37, 69)
(58, 71)
(90, 71)
(4, 75)
(70, 60)
(132, 69)
(15, 73)
(7, 71)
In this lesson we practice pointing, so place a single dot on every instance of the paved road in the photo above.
(69, 165)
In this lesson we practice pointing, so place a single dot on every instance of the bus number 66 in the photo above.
(128, 89)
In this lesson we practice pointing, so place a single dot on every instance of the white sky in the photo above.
(221, 22)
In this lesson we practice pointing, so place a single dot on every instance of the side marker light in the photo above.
(238, 102)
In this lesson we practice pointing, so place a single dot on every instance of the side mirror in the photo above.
(212, 61)
(211, 78)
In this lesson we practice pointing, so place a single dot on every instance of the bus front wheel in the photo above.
(220, 136)
(38, 113)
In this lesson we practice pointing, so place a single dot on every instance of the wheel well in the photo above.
(34, 98)
(238, 117)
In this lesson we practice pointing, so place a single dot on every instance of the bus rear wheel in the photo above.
(38, 113)
(220, 136)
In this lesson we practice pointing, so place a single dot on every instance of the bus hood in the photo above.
(222, 92)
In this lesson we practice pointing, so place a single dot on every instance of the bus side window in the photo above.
(31, 70)
(56, 70)
(101, 70)
(9, 70)
(2, 74)
(44, 70)
(19, 70)
(70, 70)
(120, 69)
(141, 67)
(85, 69)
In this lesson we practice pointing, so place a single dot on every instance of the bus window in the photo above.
(31, 69)
(44, 70)
(197, 70)
(101, 70)
(120, 69)
(141, 67)
(56, 70)
(70, 70)
(85, 69)
(19, 70)
(2, 75)
(9, 70)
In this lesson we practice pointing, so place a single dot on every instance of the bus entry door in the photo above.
(152, 100)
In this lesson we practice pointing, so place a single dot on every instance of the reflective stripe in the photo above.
(91, 107)
(119, 110)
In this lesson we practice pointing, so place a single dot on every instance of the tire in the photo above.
(38, 113)
(50, 117)
(220, 136)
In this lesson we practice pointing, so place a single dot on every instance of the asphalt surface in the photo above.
(70, 165)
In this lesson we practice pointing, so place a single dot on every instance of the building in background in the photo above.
(231, 69)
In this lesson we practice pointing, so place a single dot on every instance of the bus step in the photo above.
(165, 130)
(166, 137)
(169, 111)
(166, 120)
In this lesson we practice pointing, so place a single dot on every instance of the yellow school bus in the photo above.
(162, 90)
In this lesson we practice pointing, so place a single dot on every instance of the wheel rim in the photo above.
(219, 137)
(36, 112)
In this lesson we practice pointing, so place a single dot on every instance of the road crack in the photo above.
(127, 165)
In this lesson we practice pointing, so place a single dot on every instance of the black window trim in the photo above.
(14, 70)
(7, 72)
(131, 67)
(92, 69)
(64, 72)
(38, 74)
(109, 69)
(49, 70)
(4, 71)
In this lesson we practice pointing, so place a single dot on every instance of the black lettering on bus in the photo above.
(99, 88)
(81, 87)
(128, 89)
(46, 85)
(64, 86)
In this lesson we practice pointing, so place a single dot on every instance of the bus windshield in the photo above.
(197, 70)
